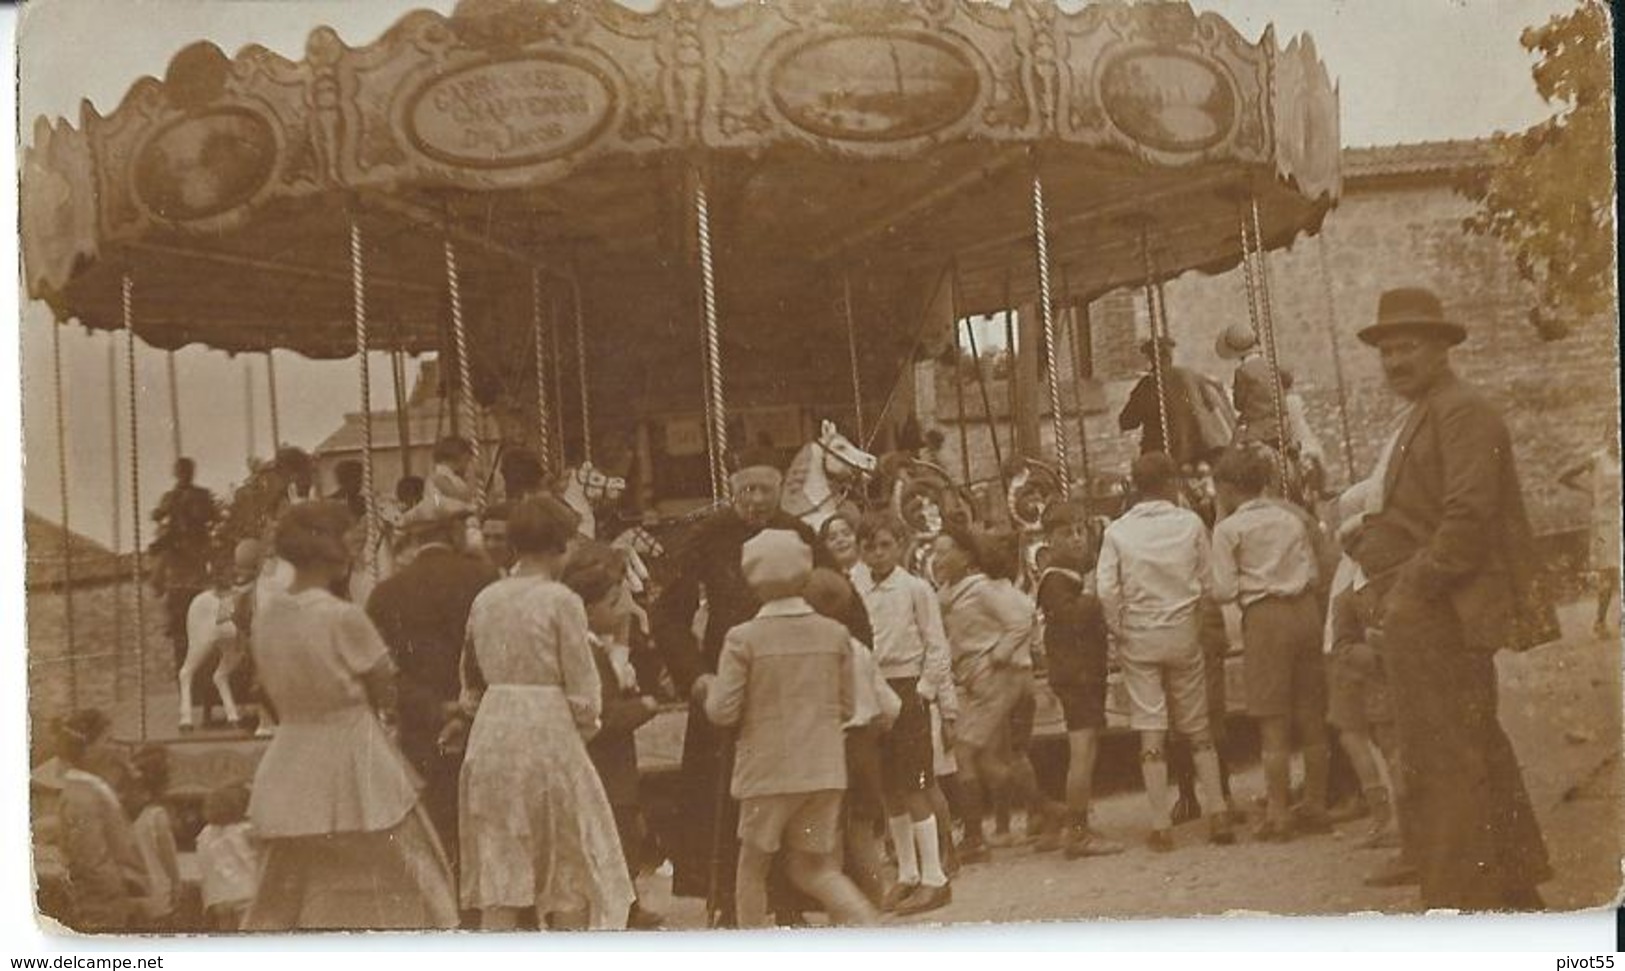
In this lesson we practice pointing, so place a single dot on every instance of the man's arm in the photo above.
(1472, 443)
(1109, 585)
(672, 622)
(1223, 583)
(1133, 414)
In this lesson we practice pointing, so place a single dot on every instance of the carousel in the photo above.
(640, 237)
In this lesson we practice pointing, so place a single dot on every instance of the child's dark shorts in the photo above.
(905, 751)
(1082, 704)
(1358, 691)
(1285, 669)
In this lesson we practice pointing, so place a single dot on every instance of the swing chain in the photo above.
(1154, 321)
(128, 301)
(358, 296)
(544, 443)
(715, 402)
(1063, 458)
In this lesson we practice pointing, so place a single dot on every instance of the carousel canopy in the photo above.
(885, 144)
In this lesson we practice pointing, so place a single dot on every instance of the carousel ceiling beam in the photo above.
(939, 195)
(276, 266)
(441, 222)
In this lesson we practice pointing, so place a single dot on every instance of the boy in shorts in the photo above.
(1152, 575)
(1076, 649)
(912, 651)
(1264, 558)
(785, 679)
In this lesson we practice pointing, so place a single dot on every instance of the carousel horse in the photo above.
(1034, 486)
(823, 475)
(926, 498)
(586, 489)
(212, 636)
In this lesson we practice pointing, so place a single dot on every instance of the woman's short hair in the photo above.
(313, 533)
(593, 571)
(77, 732)
(969, 542)
(841, 516)
(540, 524)
(1001, 554)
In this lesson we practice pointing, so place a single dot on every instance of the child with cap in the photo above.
(785, 680)
(1076, 650)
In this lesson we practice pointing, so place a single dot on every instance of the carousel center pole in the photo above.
(128, 302)
(358, 296)
(1052, 356)
(716, 400)
(67, 526)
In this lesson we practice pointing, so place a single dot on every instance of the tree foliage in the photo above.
(1550, 194)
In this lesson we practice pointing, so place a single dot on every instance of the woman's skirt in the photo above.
(394, 879)
(536, 827)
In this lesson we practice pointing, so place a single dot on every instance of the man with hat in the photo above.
(1251, 388)
(1196, 429)
(1448, 553)
(704, 849)
(422, 613)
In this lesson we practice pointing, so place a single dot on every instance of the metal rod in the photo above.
(1337, 356)
(276, 411)
(1156, 341)
(62, 496)
(1051, 346)
(358, 304)
(128, 301)
(113, 480)
(1077, 334)
(176, 448)
(959, 378)
(852, 351)
(403, 416)
(250, 422)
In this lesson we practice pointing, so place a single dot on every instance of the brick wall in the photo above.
(1557, 396)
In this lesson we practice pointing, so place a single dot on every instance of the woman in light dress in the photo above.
(537, 829)
(347, 844)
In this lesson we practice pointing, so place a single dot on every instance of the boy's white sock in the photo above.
(902, 837)
(925, 834)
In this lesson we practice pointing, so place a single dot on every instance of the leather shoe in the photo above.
(925, 899)
(1086, 843)
(896, 895)
(1160, 841)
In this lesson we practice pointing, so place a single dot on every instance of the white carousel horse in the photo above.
(586, 487)
(821, 475)
(210, 631)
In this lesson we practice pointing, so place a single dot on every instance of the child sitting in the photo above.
(227, 858)
(785, 679)
(154, 835)
(874, 707)
(447, 485)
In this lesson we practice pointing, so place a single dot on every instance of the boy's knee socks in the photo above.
(908, 857)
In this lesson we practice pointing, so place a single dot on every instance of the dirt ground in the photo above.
(1561, 707)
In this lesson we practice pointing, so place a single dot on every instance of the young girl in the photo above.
(228, 858)
(154, 834)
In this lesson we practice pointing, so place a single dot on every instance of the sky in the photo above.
(1409, 70)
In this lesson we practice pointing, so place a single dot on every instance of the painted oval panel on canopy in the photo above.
(205, 164)
(874, 88)
(1169, 100)
(510, 113)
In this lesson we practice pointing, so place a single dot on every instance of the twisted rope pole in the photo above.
(67, 525)
(128, 300)
(1063, 458)
(544, 431)
(716, 401)
(358, 298)
(465, 373)
(852, 351)
(581, 368)
(1266, 330)
(1156, 339)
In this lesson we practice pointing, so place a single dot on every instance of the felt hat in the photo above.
(1234, 341)
(776, 563)
(1412, 310)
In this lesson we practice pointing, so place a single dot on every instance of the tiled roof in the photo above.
(1416, 158)
(47, 567)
